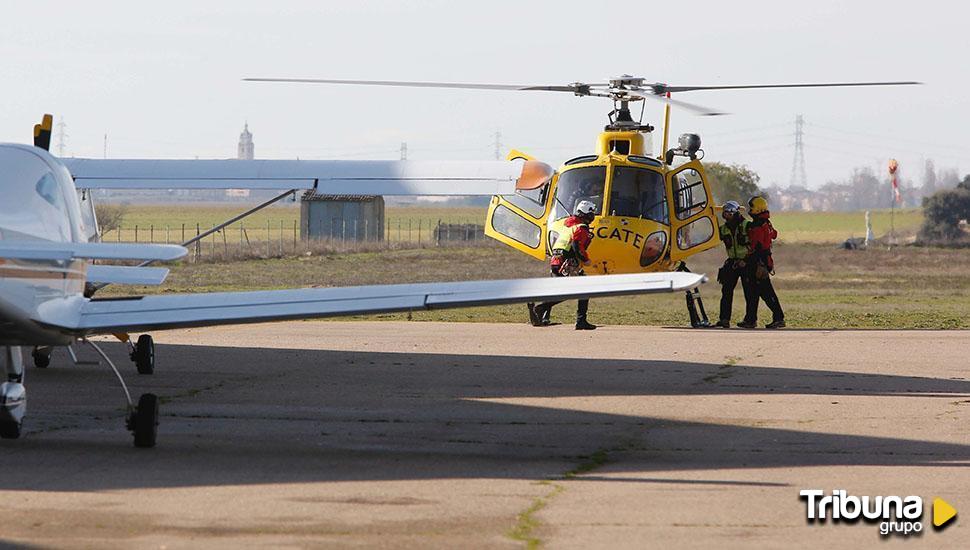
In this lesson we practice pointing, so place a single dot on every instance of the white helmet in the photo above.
(585, 208)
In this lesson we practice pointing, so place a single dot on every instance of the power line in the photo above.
(895, 138)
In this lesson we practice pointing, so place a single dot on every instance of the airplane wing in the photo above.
(64, 251)
(81, 316)
(126, 275)
(327, 177)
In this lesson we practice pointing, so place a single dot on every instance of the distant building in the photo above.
(245, 150)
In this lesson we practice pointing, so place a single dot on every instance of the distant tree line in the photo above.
(864, 189)
(943, 213)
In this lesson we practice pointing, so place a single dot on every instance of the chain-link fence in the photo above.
(278, 238)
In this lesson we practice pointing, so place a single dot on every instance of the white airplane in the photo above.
(49, 236)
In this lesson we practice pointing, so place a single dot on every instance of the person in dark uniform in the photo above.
(734, 234)
(760, 266)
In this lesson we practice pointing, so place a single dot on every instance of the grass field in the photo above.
(820, 286)
(835, 227)
(411, 224)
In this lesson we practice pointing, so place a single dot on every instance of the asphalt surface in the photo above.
(386, 434)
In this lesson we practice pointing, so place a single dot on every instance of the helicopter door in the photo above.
(518, 220)
(693, 223)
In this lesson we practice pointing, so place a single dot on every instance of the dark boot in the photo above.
(748, 324)
(583, 324)
(780, 323)
(533, 317)
(723, 323)
(539, 315)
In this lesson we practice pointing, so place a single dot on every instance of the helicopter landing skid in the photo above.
(695, 305)
(698, 319)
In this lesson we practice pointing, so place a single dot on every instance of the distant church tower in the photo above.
(245, 151)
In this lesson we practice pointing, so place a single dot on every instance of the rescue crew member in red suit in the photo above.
(569, 254)
(760, 266)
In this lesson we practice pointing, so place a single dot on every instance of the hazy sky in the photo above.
(163, 79)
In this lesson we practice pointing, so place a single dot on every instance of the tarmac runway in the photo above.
(413, 434)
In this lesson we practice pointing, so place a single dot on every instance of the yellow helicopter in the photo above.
(653, 212)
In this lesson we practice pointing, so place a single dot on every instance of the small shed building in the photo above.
(341, 217)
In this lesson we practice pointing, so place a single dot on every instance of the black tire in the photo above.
(9, 430)
(42, 359)
(145, 421)
(144, 355)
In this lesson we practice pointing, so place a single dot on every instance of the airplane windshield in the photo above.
(577, 185)
(638, 193)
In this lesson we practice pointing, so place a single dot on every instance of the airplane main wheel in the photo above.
(145, 421)
(42, 358)
(10, 430)
(144, 354)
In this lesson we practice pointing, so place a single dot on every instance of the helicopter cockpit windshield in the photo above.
(579, 184)
(638, 193)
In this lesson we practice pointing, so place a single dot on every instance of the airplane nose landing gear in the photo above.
(13, 396)
(143, 421)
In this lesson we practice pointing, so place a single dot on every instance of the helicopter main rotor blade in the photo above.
(664, 88)
(692, 107)
(572, 88)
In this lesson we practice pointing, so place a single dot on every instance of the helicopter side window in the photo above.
(531, 201)
(638, 193)
(690, 197)
(514, 226)
(579, 184)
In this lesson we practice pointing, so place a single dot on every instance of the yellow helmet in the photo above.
(757, 205)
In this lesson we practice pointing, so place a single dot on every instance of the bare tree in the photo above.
(110, 216)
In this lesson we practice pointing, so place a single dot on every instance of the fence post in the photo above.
(183, 233)
(167, 236)
(136, 232)
(151, 233)
(198, 244)
(294, 235)
(281, 238)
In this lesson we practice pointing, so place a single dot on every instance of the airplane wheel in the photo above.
(145, 421)
(10, 430)
(144, 354)
(42, 359)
